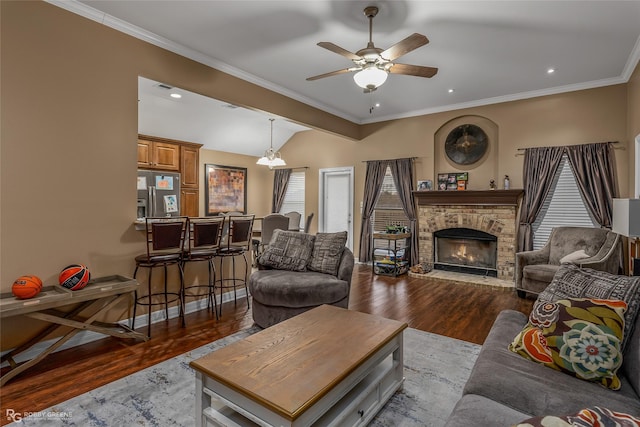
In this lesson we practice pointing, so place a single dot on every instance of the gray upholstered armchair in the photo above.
(298, 272)
(595, 248)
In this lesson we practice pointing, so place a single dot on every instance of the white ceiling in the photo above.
(487, 51)
(215, 124)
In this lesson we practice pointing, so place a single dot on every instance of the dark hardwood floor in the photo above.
(464, 312)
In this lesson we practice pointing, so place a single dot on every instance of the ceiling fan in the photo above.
(373, 64)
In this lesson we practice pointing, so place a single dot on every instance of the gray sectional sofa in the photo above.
(505, 389)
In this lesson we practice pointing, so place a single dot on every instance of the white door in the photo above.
(336, 202)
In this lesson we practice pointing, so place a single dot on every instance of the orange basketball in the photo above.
(74, 277)
(25, 287)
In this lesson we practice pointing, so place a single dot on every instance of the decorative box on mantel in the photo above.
(492, 211)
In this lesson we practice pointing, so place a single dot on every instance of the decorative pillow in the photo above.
(288, 250)
(571, 281)
(574, 256)
(327, 251)
(589, 417)
(581, 337)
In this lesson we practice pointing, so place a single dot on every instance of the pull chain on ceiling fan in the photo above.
(373, 65)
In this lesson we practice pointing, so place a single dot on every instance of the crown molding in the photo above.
(88, 12)
(506, 98)
(632, 62)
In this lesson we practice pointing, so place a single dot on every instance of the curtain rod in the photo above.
(386, 160)
(608, 142)
(571, 145)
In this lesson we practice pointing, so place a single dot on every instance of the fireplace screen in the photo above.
(466, 250)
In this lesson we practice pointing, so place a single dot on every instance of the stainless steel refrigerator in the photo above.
(158, 194)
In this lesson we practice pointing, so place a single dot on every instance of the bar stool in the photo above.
(165, 246)
(236, 243)
(205, 235)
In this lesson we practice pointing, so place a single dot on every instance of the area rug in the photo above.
(435, 369)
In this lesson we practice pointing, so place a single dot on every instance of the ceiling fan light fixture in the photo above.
(371, 77)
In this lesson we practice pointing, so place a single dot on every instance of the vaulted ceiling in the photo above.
(485, 51)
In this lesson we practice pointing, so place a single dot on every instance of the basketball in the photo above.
(25, 287)
(74, 277)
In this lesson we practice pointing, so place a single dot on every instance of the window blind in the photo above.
(388, 210)
(564, 206)
(294, 197)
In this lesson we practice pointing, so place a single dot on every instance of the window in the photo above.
(388, 210)
(294, 198)
(564, 206)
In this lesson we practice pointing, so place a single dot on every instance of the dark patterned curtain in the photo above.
(595, 170)
(280, 183)
(540, 165)
(374, 177)
(402, 171)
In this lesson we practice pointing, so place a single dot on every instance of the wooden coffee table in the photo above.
(327, 366)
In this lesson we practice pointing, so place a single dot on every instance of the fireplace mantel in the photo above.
(469, 197)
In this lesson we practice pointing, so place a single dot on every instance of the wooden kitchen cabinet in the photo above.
(171, 155)
(189, 162)
(189, 169)
(158, 155)
(189, 202)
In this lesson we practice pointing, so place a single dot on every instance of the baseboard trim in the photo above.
(85, 337)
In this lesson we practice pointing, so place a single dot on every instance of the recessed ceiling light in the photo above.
(176, 95)
(377, 104)
(451, 90)
(551, 70)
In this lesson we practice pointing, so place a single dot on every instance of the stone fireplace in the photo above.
(469, 231)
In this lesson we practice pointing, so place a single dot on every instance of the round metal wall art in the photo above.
(466, 144)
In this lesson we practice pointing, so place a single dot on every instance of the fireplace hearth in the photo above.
(465, 250)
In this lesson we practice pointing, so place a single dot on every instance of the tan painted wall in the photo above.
(633, 117)
(595, 115)
(69, 128)
(68, 135)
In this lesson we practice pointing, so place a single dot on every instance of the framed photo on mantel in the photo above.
(454, 181)
(226, 189)
(425, 185)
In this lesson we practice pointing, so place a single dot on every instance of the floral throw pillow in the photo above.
(581, 337)
(588, 417)
(572, 281)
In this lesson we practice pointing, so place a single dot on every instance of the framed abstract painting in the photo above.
(226, 189)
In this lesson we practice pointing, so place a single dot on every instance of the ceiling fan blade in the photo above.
(340, 51)
(413, 70)
(412, 42)
(332, 73)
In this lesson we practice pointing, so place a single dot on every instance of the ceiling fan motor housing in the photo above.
(370, 11)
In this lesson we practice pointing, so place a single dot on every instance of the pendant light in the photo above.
(271, 158)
